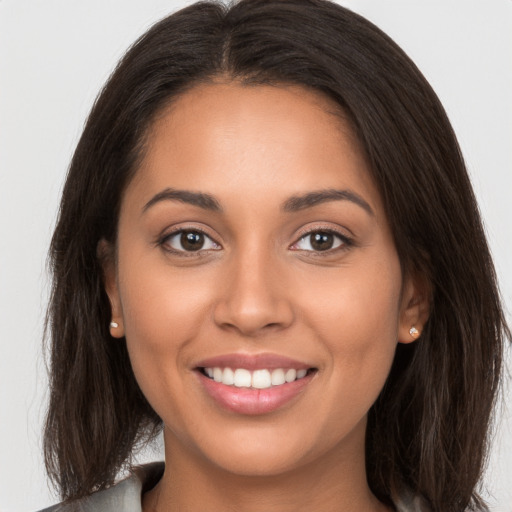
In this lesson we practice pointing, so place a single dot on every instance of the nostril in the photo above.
(253, 312)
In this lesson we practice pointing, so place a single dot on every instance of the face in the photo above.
(256, 281)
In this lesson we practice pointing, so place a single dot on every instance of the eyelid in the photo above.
(168, 234)
(347, 241)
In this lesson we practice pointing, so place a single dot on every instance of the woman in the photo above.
(268, 247)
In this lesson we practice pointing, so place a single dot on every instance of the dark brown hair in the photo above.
(428, 429)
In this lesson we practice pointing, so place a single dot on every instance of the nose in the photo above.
(253, 299)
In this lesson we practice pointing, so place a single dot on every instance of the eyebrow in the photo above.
(296, 203)
(204, 201)
(292, 204)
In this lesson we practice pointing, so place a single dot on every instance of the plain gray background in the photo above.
(54, 57)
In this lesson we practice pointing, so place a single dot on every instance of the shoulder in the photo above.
(125, 496)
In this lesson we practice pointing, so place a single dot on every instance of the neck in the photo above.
(334, 483)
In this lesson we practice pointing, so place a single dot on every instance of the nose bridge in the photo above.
(254, 296)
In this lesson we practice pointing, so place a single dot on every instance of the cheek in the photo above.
(362, 300)
(356, 320)
(162, 306)
(163, 312)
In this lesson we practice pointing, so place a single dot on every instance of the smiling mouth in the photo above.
(255, 379)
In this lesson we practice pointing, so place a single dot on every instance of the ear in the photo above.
(105, 252)
(414, 308)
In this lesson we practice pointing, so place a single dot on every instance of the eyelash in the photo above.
(183, 253)
(346, 242)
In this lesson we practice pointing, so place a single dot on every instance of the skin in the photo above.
(257, 286)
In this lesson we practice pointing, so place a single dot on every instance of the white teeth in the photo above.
(228, 377)
(290, 375)
(278, 377)
(261, 379)
(258, 379)
(217, 375)
(242, 378)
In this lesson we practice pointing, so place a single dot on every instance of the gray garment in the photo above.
(126, 495)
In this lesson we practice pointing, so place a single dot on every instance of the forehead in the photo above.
(234, 139)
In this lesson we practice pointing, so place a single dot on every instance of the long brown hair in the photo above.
(428, 429)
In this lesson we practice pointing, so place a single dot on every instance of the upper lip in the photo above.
(252, 362)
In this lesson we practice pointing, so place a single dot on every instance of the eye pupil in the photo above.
(322, 241)
(192, 240)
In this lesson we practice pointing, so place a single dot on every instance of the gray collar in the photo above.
(126, 496)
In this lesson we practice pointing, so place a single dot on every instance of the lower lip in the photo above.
(252, 401)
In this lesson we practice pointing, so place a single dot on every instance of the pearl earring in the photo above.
(414, 332)
(114, 325)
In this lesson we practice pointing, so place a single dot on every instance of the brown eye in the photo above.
(321, 241)
(190, 241)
